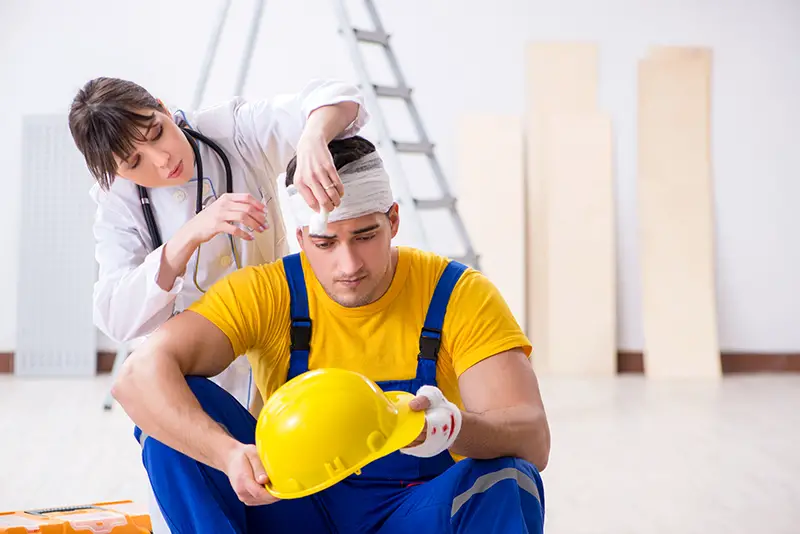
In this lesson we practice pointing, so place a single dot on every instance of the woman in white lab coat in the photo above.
(156, 253)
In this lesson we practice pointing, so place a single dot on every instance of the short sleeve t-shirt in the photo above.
(379, 340)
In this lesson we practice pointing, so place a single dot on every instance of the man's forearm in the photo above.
(329, 121)
(154, 393)
(518, 431)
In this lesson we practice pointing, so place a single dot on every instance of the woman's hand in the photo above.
(223, 215)
(315, 177)
(237, 214)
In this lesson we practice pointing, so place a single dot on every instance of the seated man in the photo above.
(402, 317)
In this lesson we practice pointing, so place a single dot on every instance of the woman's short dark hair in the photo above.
(344, 151)
(105, 120)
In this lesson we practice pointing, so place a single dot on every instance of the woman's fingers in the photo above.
(308, 195)
(330, 184)
(321, 196)
(246, 214)
(234, 230)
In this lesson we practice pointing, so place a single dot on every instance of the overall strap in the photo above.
(431, 337)
(301, 322)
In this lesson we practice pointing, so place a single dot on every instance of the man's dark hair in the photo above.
(344, 151)
(104, 120)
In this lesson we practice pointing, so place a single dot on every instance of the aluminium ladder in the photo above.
(391, 148)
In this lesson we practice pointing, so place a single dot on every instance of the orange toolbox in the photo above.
(119, 517)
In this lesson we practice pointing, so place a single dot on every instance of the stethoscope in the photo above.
(192, 136)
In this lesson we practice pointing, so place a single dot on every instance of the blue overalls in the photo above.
(395, 494)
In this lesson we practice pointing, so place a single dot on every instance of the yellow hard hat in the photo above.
(325, 425)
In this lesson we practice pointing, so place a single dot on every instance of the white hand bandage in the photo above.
(443, 420)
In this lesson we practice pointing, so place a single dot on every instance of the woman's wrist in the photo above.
(175, 255)
(326, 122)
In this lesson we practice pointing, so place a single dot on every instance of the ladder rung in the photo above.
(414, 148)
(372, 37)
(393, 92)
(434, 203)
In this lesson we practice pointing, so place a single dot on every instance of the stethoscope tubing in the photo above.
(144, 198)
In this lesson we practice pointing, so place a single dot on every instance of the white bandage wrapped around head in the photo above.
(366, 190)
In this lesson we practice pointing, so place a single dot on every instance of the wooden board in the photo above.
(665, 52)
(492, 200)
(560, 76)
(676, 217)
(695, 53)
(581, 254)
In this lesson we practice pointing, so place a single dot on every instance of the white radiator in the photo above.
(55, 333)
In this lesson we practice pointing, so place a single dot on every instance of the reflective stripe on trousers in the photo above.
(485, 482)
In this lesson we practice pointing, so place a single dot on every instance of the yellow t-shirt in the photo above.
(379, 340)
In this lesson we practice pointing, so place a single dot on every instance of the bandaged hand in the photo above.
(442, 423)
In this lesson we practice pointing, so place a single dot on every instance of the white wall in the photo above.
(458, 60)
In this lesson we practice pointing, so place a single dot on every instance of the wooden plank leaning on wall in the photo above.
(492, 200)
(675, 205)
(581, 250)
(571, 305)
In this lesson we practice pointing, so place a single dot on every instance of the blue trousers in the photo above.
(504, 495)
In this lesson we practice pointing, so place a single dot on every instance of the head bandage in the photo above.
(366, 190)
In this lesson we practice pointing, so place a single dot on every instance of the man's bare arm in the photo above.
(152, 389)
(504, 414)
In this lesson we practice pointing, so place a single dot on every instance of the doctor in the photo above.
(185, 198)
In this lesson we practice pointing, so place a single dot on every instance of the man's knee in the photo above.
(498, 464)
(160, 458)
(204, 389)
(499, 475)
(219, 405)
(223, 408)
(208, 395)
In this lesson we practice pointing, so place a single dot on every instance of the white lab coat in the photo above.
(259, 138)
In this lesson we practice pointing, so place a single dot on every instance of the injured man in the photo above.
(407, 319)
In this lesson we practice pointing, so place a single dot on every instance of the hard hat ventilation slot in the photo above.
(335, 468)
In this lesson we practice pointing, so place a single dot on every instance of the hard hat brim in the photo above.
(410, 424)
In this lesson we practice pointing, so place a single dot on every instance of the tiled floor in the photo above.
(629, 456)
